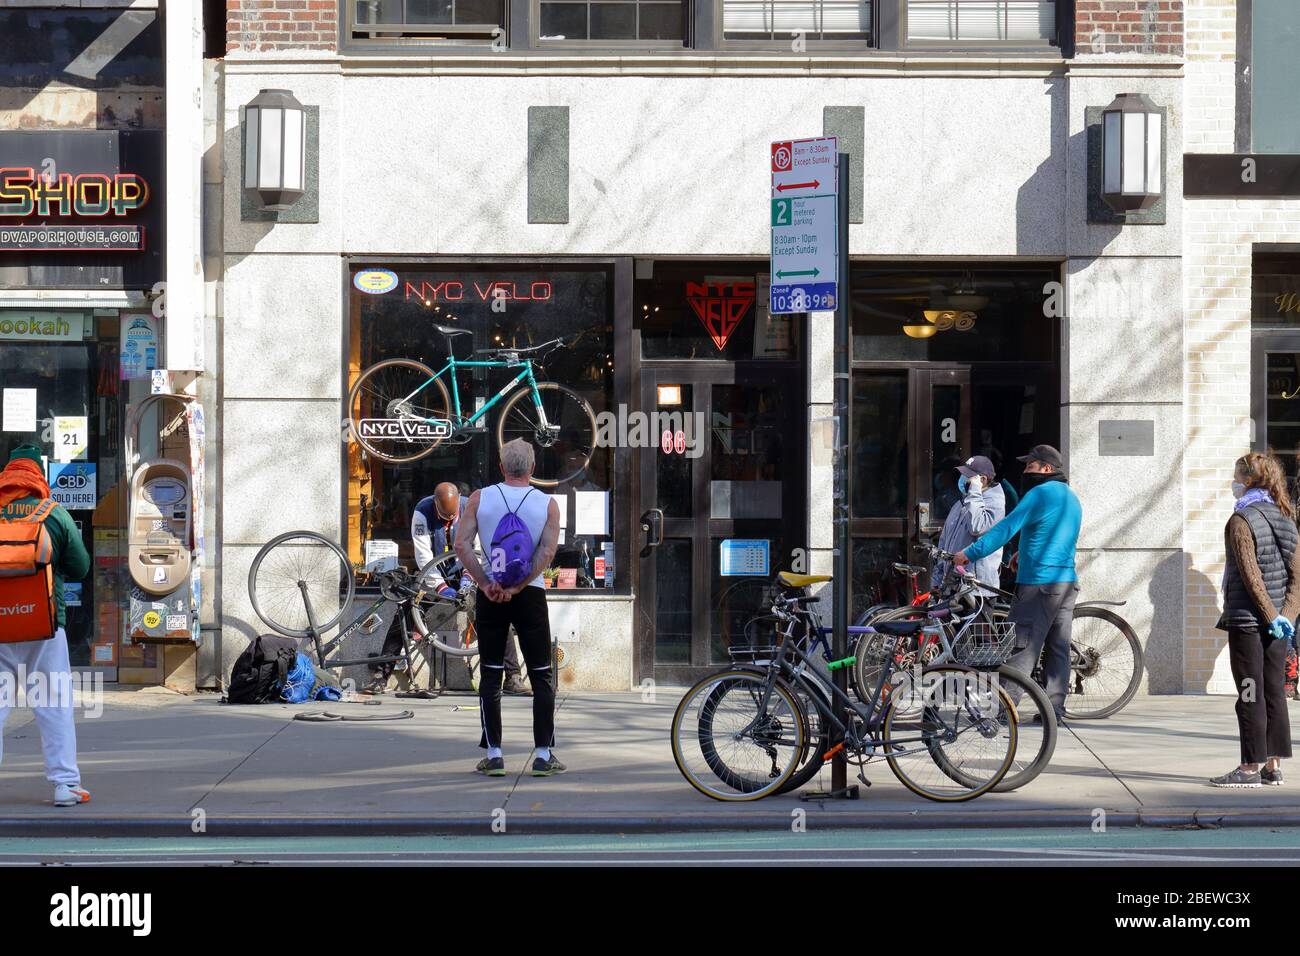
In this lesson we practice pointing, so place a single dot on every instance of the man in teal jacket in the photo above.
(1047, 520)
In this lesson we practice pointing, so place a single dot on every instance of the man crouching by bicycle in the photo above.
(518, 527)
(1048, 519)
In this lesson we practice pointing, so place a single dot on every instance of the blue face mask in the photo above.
(962, 483)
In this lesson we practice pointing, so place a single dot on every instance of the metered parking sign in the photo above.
(72, 484)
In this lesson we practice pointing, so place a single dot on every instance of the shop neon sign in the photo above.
(455, 291)
(91, 195)
(720, 306)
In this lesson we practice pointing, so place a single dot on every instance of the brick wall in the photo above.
(259, 25)
(1129, 26)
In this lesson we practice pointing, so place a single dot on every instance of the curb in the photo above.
(65, 824)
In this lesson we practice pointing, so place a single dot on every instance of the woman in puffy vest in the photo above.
(1261, 599)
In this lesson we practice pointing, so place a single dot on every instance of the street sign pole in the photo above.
(840, 555)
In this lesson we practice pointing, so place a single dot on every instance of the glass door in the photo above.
(723, 506)
(1275, 398)
(909, 430)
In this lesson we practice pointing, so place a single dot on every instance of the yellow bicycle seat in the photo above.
(792, 580)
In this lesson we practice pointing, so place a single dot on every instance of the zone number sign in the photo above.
(805, 227)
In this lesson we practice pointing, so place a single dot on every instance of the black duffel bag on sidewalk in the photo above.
(261, 670)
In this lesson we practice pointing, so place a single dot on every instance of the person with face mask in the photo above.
(1261, 600)
(1047, 519)
(982, 505)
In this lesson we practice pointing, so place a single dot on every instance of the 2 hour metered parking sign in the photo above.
(805, 227)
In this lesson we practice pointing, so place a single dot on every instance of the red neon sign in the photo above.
(720, 306)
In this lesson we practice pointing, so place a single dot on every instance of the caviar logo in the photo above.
(94, 195)
(375, 281)
(720, 306)
(17, 609)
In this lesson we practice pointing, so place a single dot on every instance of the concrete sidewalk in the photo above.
(153, 759)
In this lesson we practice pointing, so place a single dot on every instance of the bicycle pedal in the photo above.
(863, 778)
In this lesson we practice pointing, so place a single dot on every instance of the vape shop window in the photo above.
(506, 316)
(699, 310)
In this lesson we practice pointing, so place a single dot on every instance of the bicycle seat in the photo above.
(451, 330)
(792, 580)
(898, 628)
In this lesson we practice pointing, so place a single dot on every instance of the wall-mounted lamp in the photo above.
(275, 136)
(1132, 153)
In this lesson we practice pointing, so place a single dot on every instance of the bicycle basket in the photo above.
(985, 645)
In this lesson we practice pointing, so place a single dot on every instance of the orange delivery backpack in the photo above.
(27, 608)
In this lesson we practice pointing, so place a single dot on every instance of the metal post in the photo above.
(840, 558)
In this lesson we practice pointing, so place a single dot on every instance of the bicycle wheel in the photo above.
(296, 571)
(1036, 729)
(815, 745)
(1105, 664)
(564, 449)
(430, 613)
(951, 739)
(392, 407)
(727, 746)
(870, 651)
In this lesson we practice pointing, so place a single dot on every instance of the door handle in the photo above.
(922, 516)
(652, 525)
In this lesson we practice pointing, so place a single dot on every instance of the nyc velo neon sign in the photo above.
(454, 291)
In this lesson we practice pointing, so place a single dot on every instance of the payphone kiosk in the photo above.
(159, 547)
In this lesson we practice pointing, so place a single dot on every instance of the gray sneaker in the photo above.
(547, 768)
(491, 767)
(1237, 779)
(1270, 778)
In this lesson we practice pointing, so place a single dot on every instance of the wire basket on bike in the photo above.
(985, 645)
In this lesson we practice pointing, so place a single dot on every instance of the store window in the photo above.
(1275, 340)
(815, 20)
(64, 391)
(1274, 108)
(474, 22)
(980, 314)
(687, 310)
(1021, 23)
(615, 21)
(496, 307)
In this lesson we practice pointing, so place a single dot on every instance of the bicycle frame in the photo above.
(323, 650)
(453, 364)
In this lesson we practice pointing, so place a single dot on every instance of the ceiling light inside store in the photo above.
(670, 394)
(920, 331)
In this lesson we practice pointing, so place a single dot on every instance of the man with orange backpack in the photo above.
(40, 548)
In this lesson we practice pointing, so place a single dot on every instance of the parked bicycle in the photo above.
(301, 584)
(1106, 657)
(744, 733)
(400, 409)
